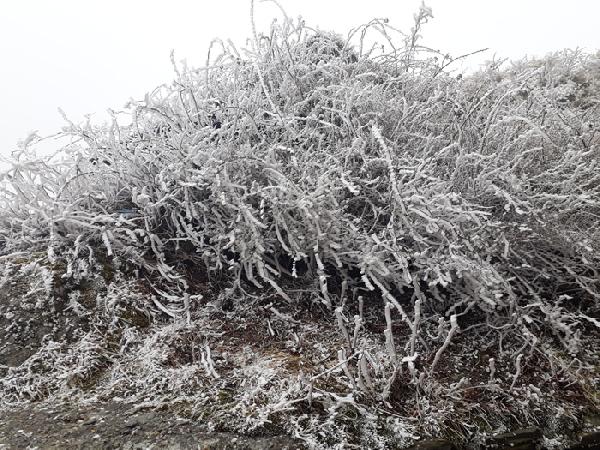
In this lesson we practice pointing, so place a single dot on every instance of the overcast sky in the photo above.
(87, 56)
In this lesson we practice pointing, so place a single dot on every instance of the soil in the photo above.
(84, 360)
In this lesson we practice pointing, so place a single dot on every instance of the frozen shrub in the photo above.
(463, 206)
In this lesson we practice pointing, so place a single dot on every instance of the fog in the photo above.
(85, 57)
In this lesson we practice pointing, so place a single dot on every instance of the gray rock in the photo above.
(525, 439)
(589, 441)
(433, 444)
(112, 425)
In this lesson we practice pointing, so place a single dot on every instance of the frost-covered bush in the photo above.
(457, 205)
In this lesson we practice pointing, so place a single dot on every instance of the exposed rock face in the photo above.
(30, 312)
(38, 304)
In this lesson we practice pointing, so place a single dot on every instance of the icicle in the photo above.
(492, 368)
(343, 359)
(517, 371)
(342, 325)
(453, 330)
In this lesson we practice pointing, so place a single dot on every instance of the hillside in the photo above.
(315, 238)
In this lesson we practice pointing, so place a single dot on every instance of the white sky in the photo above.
(87, 56)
